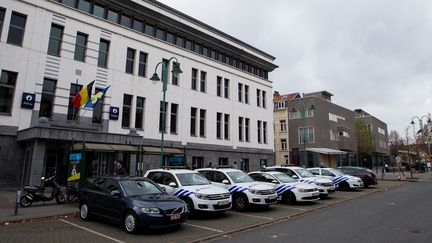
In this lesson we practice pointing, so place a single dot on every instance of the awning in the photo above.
(156, 150)
(326, 151)
(92, 146)
(122, 147)
(151, 150)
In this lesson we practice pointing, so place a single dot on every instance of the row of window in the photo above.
(335, 118)
(181, 40)
(301, 113)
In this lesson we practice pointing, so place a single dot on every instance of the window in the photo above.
(223, 162)
(202, 122)
(265, 132)
(246, 91)
(130, 60)
(306, 134)
(188, 45)
(218, 125)
(2, 14)
(126, 21)
(264, 103)
(47, 98)
(174, 78)
(55, 40)
(16, 28)
(70, 3)
(283, 125)
(258, 97)
(193, 121)
(281, 105)
(99, 10)
(179, 41)
(142, 64)
(197, 48)
(226, 126)
(334, 135)
(103, 53)
(170, 37)
(332, 117)
(173, 120)
(247, 129)
(381, 131)
(369, 127)
(382, 144)
(226, 88)
(7, 90)
(240, 92)
(160, 34)
(149, 30)
(259, 131)
(219, 86)
(240, 128)
(205, 51)
(80, 47)
(112, 16)
(203, 82)
(72, 111)
(163, 117)
(138, 25)
(84, 5)
(283, 144)
(127, 106)
(139, 112)
(97, 110)
(194, 79)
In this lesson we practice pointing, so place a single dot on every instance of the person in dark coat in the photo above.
(120, 170)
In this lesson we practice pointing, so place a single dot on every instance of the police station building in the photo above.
(219, 109)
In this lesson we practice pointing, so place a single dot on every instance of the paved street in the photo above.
(208, 227)
(401, 215)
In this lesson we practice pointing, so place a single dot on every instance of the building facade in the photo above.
(216, 111)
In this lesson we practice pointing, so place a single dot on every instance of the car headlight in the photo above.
(253, 191)
(302, 190)
(318, 183)
(149, 210)
(200, 196)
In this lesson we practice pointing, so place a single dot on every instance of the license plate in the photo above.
(272, 197)
(175, 216)
(226, 202)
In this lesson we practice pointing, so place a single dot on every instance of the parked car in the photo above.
(325, 186)
(341, 180)
(134, 202)
(368, 176)
(245, 191)
(288, 189)
(193, 188)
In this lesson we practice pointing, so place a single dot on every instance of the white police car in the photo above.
(325, 186)
(193, 188)
(288, 189)
(245, 191)
(341, 180)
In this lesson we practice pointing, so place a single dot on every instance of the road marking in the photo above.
(281, 206)
(341, 197)
(254, 216)
(202, 227)
(91, 231)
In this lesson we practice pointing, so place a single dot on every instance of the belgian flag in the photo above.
(83, 96)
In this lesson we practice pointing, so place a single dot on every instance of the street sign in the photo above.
(28, 100)
(75, 157)
(114, 113)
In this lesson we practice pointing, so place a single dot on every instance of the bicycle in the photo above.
(72, 188)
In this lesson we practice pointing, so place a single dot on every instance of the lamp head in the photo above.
(312, 108)
(293, 110)
(412, 122)
(155, 77)
(176, 69)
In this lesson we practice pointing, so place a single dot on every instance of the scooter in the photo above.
(33, 193)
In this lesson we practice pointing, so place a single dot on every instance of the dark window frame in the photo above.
(53, 40)
(47, 98)
(130, 60)
(11, 87)
(82, 46)
(127, 110)
(14, 28)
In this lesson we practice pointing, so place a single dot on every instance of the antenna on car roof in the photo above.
(173, 167)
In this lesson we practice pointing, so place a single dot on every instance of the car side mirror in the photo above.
(115, 193)
(226, 182)
(295, 176)
(172, 184)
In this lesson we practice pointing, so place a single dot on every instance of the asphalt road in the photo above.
(400, 215)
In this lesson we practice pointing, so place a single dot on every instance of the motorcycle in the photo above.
(33, 193)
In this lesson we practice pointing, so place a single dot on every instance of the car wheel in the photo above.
(240, 202)
(344, 186)
(84, 211)
(60, 198)
(25, 201)
(189, 205)
(130, 222)
(322, 196)
(289, 198)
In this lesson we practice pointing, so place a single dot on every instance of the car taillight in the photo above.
(364, 174)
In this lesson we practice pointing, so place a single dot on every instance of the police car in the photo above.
(288, 189)
(340, 179)
(244, 190)
(325, 186)
(193, 188)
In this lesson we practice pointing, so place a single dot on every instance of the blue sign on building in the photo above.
(177, 160)
(75, 157)
(28, 100)
(114, 113)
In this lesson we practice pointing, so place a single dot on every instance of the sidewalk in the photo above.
(416, 176)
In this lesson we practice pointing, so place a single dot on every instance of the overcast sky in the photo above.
(373, 55)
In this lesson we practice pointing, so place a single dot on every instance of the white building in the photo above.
(219, 109)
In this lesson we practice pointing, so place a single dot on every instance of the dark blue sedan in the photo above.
(134, 202)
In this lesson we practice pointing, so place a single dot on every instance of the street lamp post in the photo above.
(175, 71)
(429, 122)
(303, 117)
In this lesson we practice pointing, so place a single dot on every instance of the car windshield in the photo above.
(192, 179)
(139, 187)
(284, 178)
(336, 172)
(304, 173)
(239, 177)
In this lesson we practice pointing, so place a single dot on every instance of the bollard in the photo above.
(18, 196)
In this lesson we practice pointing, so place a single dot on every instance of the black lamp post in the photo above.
(429, 122)
(175, 71)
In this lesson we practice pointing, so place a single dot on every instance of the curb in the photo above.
(38, 219)
(284, 219)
